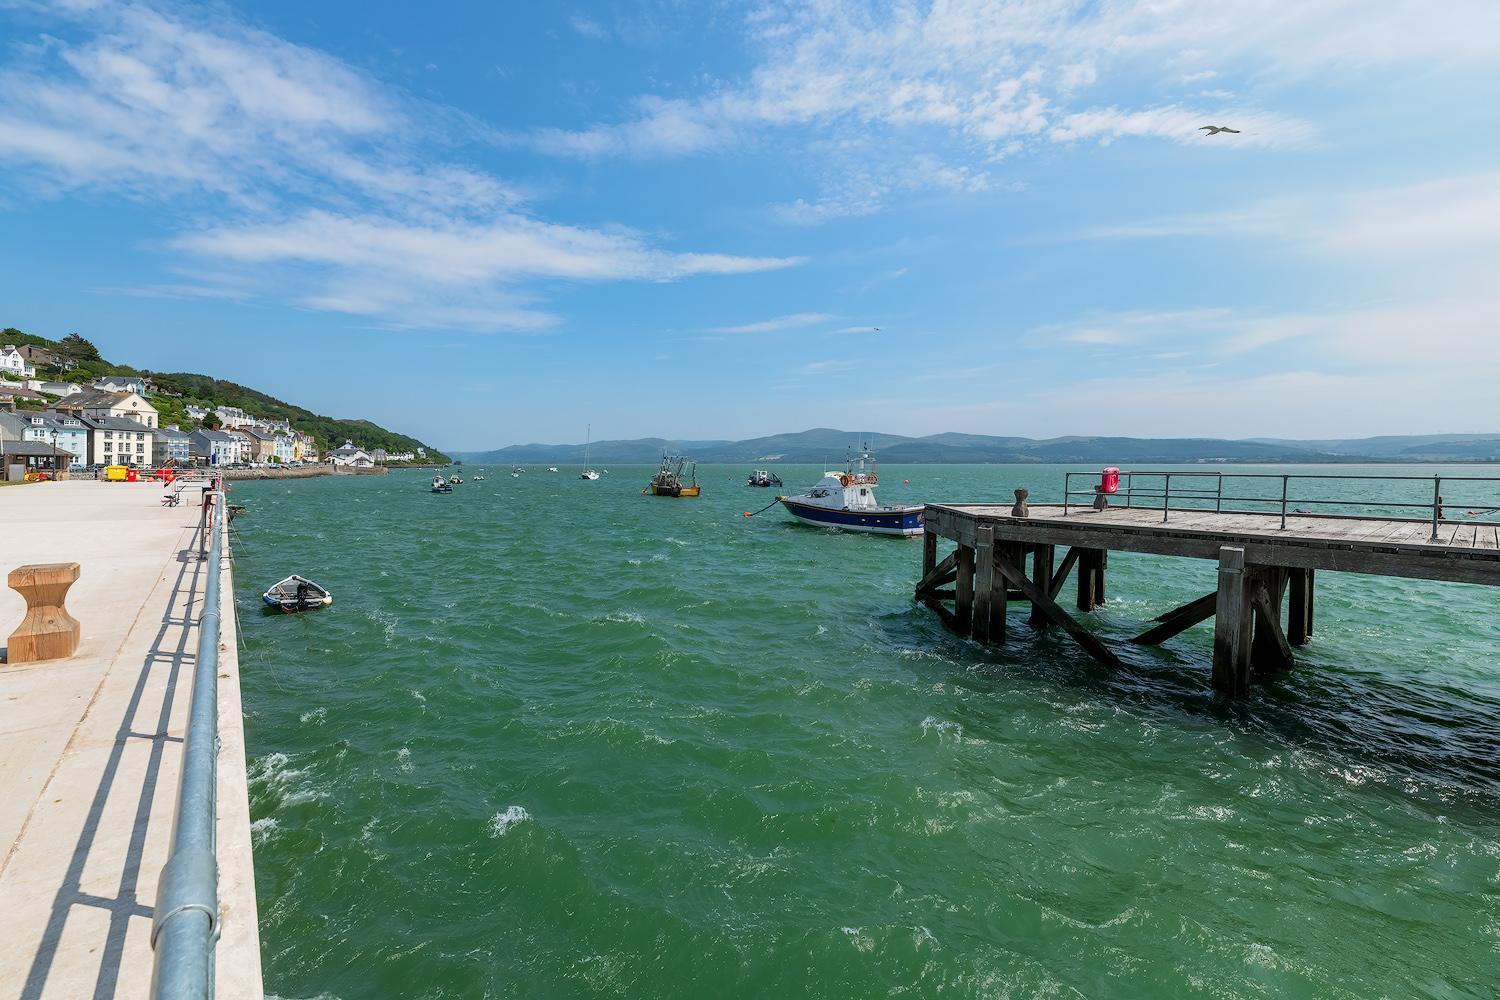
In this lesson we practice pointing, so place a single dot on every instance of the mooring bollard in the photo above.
(1020, 509)
(47, 632)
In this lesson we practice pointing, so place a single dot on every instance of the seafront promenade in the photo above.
(90, 746)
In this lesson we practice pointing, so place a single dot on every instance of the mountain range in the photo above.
(823, 444)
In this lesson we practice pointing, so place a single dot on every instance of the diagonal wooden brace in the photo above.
(1045, 606)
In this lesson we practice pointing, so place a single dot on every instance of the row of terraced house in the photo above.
(112, 422)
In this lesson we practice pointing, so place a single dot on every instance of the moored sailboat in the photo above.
(588, 469)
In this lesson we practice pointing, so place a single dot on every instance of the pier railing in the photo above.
(1404, 498)
(185, 927)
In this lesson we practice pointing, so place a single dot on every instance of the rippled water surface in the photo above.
(558, 739)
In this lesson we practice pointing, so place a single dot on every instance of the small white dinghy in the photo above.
(296, 594)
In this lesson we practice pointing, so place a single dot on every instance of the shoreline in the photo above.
(311, 472)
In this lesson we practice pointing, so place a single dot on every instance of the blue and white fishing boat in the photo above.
(846, 500)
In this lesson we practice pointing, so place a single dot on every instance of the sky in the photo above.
(494, 223)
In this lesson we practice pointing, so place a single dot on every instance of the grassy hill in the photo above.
(825, 444)
(177, 390)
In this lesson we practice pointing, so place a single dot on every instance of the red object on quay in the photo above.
(1109, 480)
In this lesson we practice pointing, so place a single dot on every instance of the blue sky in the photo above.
(492, 223)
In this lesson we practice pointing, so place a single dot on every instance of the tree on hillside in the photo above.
(78, 349)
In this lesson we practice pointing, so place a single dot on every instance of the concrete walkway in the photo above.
(90, 747)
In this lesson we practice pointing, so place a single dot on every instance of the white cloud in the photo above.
(968, 82)
(830, 367)
(788, 322)
(587, 27)
(1447, 225)
(326, 181)
(461, 273)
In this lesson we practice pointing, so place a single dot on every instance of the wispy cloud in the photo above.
(831, 367)
(587, 27)
(326, 181)
(970, 82)
(792, 321)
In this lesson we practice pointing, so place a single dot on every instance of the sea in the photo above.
(556, 738)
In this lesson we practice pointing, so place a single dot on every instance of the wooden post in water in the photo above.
(1041, 575)
(929, 551)
(1101, 562)
(1090, 578)
(963, 591)
(984, 582)
(1300, 608)
(1232, 625)
(999, 607)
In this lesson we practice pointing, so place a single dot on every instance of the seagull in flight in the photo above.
(1216, 129)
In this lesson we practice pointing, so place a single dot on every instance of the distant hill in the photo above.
(178, 389)
(1409, 447)
(827, 444)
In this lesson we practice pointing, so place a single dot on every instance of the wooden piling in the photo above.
(1101, 562)
(1041, 577)
(984, 583)
(1299, 607)
(963, 610)
(1232, 625)
(929, 551)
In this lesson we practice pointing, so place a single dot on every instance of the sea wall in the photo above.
(304, 472)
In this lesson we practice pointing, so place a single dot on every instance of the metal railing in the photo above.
(1199, 491)
(185, 927)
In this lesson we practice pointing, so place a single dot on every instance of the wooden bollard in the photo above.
(47, 632)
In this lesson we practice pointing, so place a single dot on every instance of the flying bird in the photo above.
(1216, 129)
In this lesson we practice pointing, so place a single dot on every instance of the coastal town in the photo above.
(56, 428)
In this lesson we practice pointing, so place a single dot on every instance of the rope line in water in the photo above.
(765, 508)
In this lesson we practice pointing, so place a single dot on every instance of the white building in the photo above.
(285, 449)
(214, 447)
(233, 416)
(121, 383)
(13, 363)
(347, 454)
(119, 441)
(55, 388)
(96, 403)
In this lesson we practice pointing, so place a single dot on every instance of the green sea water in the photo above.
(559, 739)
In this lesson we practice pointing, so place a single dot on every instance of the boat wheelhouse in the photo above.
(846, 501)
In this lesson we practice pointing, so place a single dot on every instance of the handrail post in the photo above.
(1219, 496)
(1283, 501)
(1067, 490)
(1166, 498)
(185, 925)
(1437, 504)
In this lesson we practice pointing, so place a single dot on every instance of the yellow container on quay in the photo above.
(115, 473)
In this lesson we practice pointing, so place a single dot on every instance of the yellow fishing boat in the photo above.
(668, 480)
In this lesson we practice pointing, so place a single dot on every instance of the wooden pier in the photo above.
(1264, 601)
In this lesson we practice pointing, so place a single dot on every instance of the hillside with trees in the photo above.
(175, 391)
